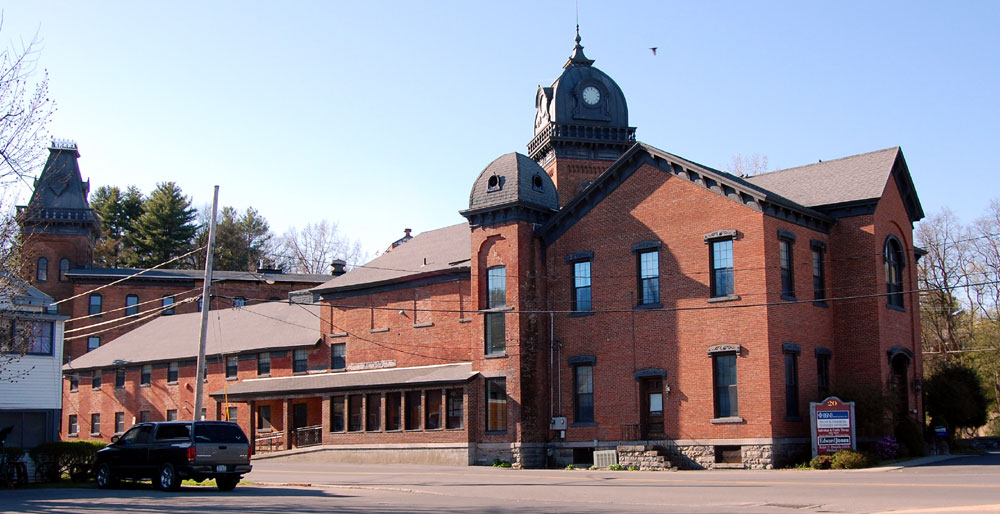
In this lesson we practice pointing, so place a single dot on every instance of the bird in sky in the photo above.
(653, 48)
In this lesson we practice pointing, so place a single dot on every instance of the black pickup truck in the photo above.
(171, 451)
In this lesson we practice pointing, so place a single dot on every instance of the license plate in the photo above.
(221, 468)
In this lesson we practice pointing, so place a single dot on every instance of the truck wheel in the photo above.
(168, 479)
(105, 479)
(227, 483)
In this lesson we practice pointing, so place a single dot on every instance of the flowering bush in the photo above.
(887, 448)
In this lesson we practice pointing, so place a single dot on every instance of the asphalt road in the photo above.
(306, 484)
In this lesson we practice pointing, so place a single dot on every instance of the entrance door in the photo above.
(651, 390)
(300, 415)
(900, 385)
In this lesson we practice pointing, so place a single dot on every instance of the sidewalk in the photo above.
(922, 461)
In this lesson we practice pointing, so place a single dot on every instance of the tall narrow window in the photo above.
(819, 274)
(354, 416)
(724, 379)
(393, 411)
(338, 356)
(337, 419)
(583, 389)
(119, 422)
(721, 273)
(232, 366)
(146, 374)
(42, 274)
(456, 409)
(300, 361)
(263, 364)
(232, 414)
(131, 305)
(168, 305)
(144, 416)
(171, 414)
(95, 304)
(894, 264)
(95, 424)
(787, 271)
(74, 382)
(495, 322)
(581, 286)
(120, 377)
(649, 277)
(413, 410)
(173, 370)
(63, 269)
(432, 411)
(791, 353)
(496, 404)
(95, 379)
(73, 425)
(373, 409)
(264, 418)
(93, 343)
(822, 373)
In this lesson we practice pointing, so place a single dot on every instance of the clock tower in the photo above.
(581, 125)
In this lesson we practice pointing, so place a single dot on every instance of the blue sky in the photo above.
(380, 115)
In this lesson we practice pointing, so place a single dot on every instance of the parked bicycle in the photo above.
(12, 474)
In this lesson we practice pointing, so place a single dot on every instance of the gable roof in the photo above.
(435, 253)
(721, 183)
(260, 327)
(857, 179)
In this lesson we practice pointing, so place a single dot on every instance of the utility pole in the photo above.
(206, 304)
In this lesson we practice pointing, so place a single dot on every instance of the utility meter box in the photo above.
(558, 423)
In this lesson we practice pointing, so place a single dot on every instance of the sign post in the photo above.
(833, 426)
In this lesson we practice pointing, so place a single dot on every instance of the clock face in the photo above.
(591, 95)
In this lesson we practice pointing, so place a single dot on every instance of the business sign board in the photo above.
(833, 425)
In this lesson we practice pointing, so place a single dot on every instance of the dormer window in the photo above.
(536, 183)
(495, 183)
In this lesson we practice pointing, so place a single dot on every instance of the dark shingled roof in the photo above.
(435, 252)
(260, 327)
(848, 179)
(515, 174)
(367, 379)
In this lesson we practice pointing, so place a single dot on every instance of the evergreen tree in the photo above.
(118, 212)
(165, 229)
(241, 241)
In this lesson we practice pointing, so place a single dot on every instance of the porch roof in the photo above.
(263, 388)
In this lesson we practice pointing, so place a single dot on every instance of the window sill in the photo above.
(465, 320)
(720, 299)
(495, 355)
(73, 435)
(74, 390)
(580, 314)
(732, 420)
(378, 330)
(646, 306)
(337, 370)
(582, 424)
(821, 303)
(423, 325)
(144, 385)
(263, 375)
(300, 373)
(497, 309)
(895, 307)
(95, 434)
(788, 297)
(231, 379)
(338, 334)
(172, 383)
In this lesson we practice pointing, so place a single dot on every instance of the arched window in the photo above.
(63, 269)
(894, 264)
(42, 274)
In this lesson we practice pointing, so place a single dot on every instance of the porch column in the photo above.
(324, 420)
(253, 425)
(286, 414)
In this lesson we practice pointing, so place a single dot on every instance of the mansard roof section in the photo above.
(846, 186)
(721, 183)
(60, 185)
(444, 252)
(253, 328)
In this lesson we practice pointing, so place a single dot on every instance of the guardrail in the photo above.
(308, 436)
(271, 442)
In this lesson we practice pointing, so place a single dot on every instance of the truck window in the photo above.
(173, 431)
(219, 434)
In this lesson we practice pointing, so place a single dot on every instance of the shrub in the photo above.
(633, 468)
(954, 397)
(820, 462)
(616, 467)
(570, 466)
(848, 459)
(887, 448)
(73, 457)
(497, 463)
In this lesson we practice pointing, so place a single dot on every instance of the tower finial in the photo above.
(578, 58)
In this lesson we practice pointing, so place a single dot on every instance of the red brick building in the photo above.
(604, 294)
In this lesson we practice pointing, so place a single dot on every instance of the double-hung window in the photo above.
(823, 373)
(786, 263)
(120, 377)
(93, 343)
(720, 259)
(495, 326)
(300, 361)
(649, 277)
(95, 379)
(496, 404)
(724, 381)
(42, 275)
(173, 370)
(263, 363)
(583, 393)
(168, 305)
(232, 366)
(581, 286)
(338, 356)
(894, 264)
(131, 304)
(95, 304)
(819, 271)
(791, 353)
(146, 374)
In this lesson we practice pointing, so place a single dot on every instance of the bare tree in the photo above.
(748, 166)
(314, 248)
(943, 275)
